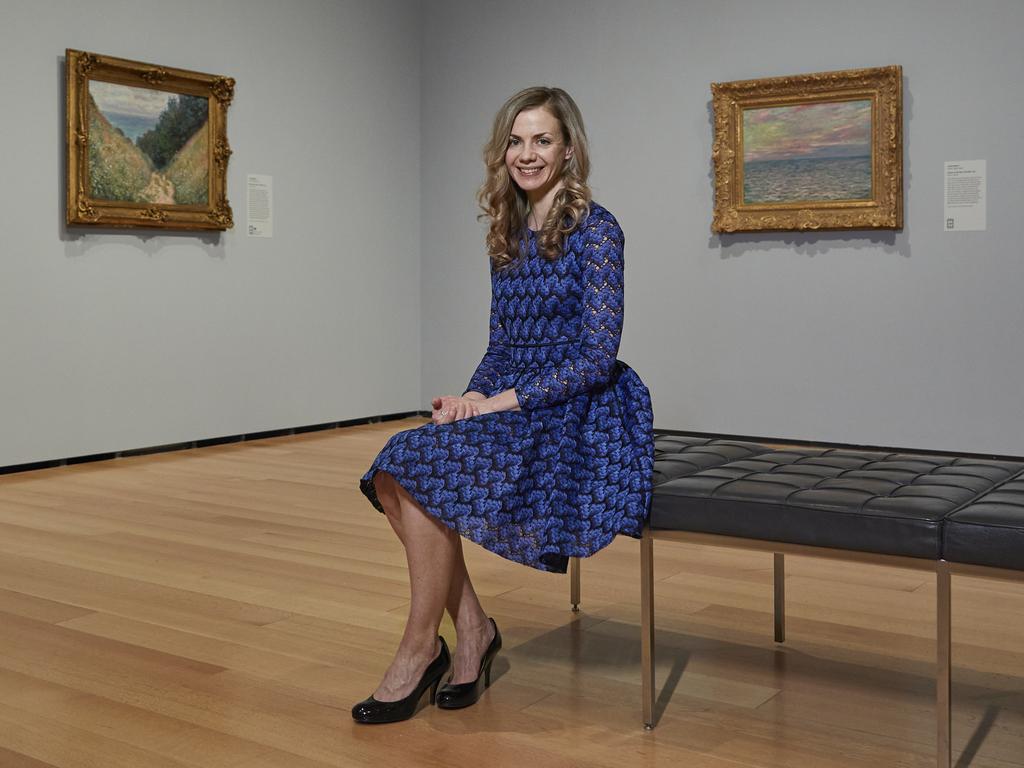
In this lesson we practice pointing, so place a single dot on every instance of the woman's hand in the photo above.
(449, 408)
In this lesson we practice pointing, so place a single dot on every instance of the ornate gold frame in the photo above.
(81, 67)
(883, 86)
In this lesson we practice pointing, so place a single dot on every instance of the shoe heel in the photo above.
(433, 691)
(487, 674)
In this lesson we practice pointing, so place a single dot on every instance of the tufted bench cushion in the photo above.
(887, 503)
(990, 530)
(944, 514)
(677, 456)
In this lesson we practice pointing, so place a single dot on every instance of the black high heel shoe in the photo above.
(373, 711)
(457, 696)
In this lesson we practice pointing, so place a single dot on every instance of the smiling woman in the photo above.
(534, 158)
(548, 453)
(538, 161)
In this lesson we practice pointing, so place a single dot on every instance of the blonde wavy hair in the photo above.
(505, 205)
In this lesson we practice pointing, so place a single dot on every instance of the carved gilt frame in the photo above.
(85, 209)
(882, 87)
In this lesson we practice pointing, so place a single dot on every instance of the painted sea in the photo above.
(807, 179)
(130, 109)
(132, 126)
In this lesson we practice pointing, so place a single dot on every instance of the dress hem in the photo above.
(558, 562)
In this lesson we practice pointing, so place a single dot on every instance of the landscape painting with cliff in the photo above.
(147, 146)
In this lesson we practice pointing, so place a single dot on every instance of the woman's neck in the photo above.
(540, 207)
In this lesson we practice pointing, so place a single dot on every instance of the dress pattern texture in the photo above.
(572, 469)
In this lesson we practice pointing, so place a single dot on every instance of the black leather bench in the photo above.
(945, 514)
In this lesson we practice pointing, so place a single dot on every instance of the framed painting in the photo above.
(146, 145)
(809, 152)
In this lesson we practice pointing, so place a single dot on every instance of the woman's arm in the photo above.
(601, 327)
(600, 332)
(487, 377)
(488, 374)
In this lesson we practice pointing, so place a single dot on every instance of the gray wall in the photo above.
(109, 340)
(370, 115)
(909, 338)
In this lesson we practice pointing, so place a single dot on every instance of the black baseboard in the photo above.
(207, 442)
(247, 437)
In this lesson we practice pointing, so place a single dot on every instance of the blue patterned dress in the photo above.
(571, 469)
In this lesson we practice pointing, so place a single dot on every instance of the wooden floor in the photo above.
(226, 606)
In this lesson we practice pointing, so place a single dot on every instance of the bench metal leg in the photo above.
(647, 626)
(943, 677)
(574, 583)
(779, 580)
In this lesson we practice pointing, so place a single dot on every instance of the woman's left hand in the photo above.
(448, 408)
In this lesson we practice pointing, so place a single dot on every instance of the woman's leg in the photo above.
(422, 536)
(472, 628)
(430, 549)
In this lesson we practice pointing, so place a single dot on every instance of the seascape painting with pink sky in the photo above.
(807, 153)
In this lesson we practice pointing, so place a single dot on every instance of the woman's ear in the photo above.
(568, 152)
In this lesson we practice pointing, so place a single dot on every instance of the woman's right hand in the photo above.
(448, 408)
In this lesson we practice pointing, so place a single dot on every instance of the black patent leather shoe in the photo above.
(457, 696)
(373, 711)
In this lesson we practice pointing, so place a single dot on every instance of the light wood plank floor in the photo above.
(224, 607)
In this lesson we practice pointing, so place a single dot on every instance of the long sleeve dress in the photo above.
(570, 470)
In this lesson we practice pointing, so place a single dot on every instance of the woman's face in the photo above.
(536, 152)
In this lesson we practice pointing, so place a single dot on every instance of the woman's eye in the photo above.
(513, 142)
(544, 142)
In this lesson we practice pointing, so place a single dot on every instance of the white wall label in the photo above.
(965, 195)
(259, 205)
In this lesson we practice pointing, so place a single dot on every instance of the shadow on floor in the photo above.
(612, 649)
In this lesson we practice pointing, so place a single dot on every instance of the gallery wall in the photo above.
(372, 295)
(118, 340)
(908, 338)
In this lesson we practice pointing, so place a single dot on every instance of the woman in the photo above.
(549, 452)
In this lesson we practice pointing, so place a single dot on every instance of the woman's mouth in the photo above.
(532, 171)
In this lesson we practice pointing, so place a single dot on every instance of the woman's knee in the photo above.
(402, 510)
(386, 488)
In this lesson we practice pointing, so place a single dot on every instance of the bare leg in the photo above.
(473, 629)
(430, 550)
(387, 494)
